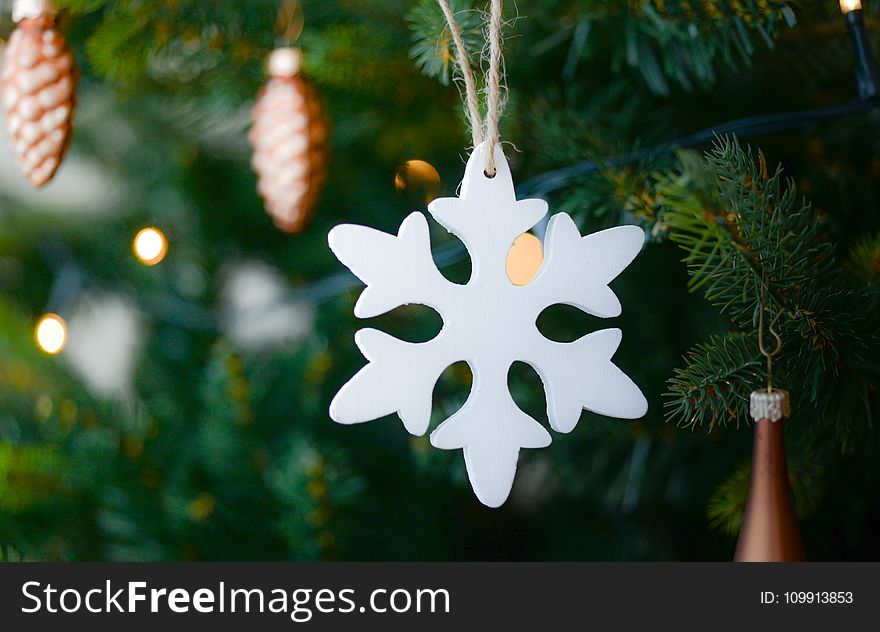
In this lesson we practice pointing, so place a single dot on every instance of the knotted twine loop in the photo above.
(493, 81)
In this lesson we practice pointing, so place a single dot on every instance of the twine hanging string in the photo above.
(493, 81)
(470, 86)
(493, 85)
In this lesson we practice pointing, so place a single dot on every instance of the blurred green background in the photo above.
(186, 418)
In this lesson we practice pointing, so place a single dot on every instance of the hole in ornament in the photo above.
(564, 323)
(486, 173)
(458, 272)
(527, 390)
(456, 267)
(451, 391)
(411, 323)
(524, 259)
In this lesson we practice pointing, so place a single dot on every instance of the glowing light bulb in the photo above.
(150, 246)
(850, 5)
(524, 259)
(51, 334)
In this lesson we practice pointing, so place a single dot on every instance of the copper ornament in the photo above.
(38, 82)
(290, 139)
(770, 530)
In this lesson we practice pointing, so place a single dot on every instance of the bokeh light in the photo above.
(150, 246)
(418, 181)
(850, 5)
(51, 333)
(524, 259)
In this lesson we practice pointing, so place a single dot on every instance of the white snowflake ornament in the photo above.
(489, 322)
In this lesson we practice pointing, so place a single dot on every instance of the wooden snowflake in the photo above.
(488, 323)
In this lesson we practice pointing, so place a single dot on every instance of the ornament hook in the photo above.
(764, 352)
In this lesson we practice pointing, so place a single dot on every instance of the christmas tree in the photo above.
(186, 417)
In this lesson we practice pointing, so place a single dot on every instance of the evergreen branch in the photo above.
(81, 7)
(117, 47)
(832, 346)
(28, 474)
(738, 224)
(354, 58)
(864, 260)
(433, 48)
(682, 40)
(741, 229)
(714, 386)
(728, 502)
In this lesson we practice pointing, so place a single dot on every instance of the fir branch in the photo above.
(728, 503)
(864, 260)
(355, 57)
(82, 7)
(832, 346)
(714, 386)
(739, 224)
(28, 474)
(742, 229)
(683, 41)
(433, 48)
(117, 47)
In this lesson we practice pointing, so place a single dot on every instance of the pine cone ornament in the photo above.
(290, 135)
(38, 81)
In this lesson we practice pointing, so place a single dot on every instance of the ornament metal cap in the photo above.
(772, 405)
(32, 9)
(285, 62)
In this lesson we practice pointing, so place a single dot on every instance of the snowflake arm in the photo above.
(577, 270)
(398, 270)
(399, 378)
(580, 375)
(491, 429)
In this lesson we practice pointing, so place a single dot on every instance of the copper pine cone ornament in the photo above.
(289, 136)
(38, 82)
